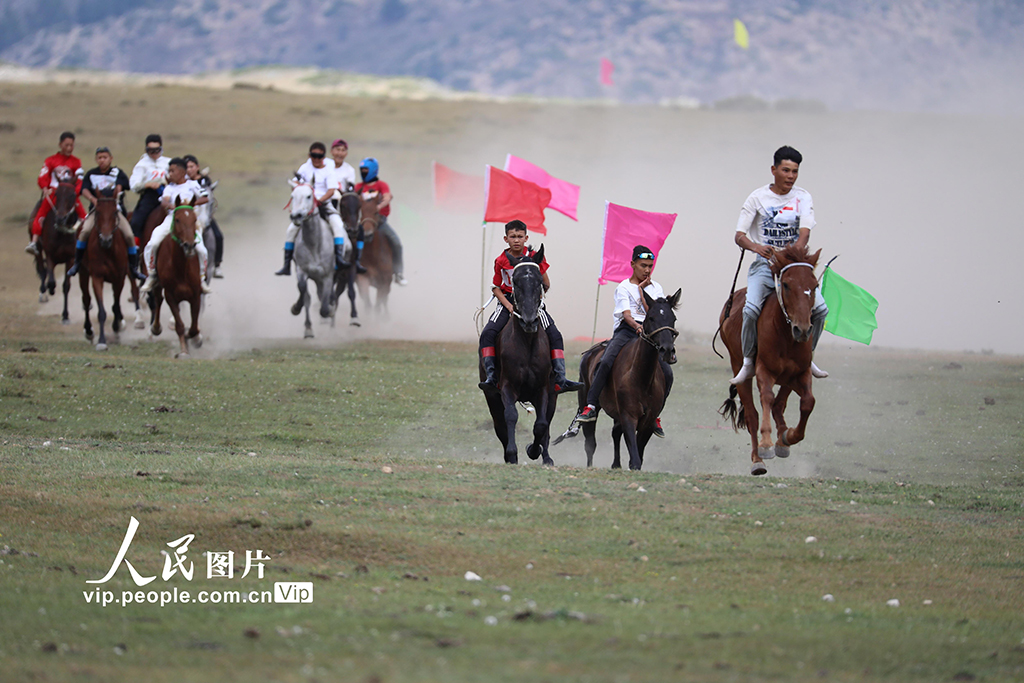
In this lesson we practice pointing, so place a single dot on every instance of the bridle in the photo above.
(514, 269)
(312, 192)
(778, 288)
(182, 206)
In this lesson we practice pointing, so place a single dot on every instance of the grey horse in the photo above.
(314, 255)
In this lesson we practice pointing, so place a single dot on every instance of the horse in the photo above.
(349, 206)
(178, 276)
(106, 260)
(634, 395)
(57, 241)
(524, 366)
(783, 356)
(376, 258)
(314, 255)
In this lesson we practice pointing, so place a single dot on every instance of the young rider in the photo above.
(203, 212)
(517, 252)
(346, 177)
(773, 217)
(106, 180)
(179, 186)
(64, 162)
(373, 186)
(148, 178)
(318, 173)
(627, 324)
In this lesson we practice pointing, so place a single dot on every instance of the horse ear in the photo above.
(177, 201)
(538, 258)
(294, 182)
(673, 300)
(813, 259)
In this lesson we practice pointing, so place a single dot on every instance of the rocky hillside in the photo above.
(932, 55)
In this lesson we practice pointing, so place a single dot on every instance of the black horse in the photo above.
(349, 205)
(635, 393)
(524, 366)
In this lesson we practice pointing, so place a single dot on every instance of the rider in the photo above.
(61, 163)
(346, 177)
(179, 186)
(517, 252)
(204, 212)
(106, 180)
(148, 178)
(319, 174)
(773, 217)
(627, 324)
(372, 186)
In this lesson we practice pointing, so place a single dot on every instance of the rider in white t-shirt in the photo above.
(318, 172)
(342, 169)
(773, 217)
(179, 186)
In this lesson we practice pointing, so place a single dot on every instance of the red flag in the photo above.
(565, 196)
(508, 198)
(624, 228)
(457, 192)
(606, 71)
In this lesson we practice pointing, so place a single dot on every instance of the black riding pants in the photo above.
(622, 336)
(149, 200)
(496, 323)
(218, 236)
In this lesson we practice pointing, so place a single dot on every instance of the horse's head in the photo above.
(105, 216)
(795, 285)
(303, 201)
(369, 214)
(528, 290)
(63, 198)
(183, 227)
(660, 324)
(349, 206)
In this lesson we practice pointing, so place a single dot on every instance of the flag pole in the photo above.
(483, 262)
(597, 301)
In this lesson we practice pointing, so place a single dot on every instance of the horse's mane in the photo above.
(792, 254)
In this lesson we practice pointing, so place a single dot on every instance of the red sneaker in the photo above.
(658, 431)
(588, 414)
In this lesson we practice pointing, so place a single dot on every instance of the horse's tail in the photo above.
(730, 412)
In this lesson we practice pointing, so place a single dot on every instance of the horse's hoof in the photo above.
(355, 323)
(296, 309)
(65, 321)
(182, 356)
(308, 334)
(101, 347)
(155, 331)
(197, 341)
(781, 451)
(758, 469)
(43, 298)
(533, 451)
(765, 453)
(548, 462)
(89, 336)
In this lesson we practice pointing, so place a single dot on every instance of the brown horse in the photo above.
(179, 280)
(377, 258)
(57, 241)
(783, 356)
(106, 260)
(634, 395)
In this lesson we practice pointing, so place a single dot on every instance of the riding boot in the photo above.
(339, 256)
(133, 266)
(73, 270)
(287, 270)
(360, 268)
(490, 382)
(562, 384)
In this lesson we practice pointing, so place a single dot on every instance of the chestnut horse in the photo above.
(106, 260)
(376, 258)
(524, 366)
(178, 276)
(57, 241)
(783, 356)
(635, 393)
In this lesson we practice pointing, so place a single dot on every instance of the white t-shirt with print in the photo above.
(627, 298)
(321, 179)
(776, 219)
(345, 175)
(187, 191)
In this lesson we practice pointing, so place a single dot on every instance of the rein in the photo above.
(778, 288)
(728, 303)
(316, 204)
(514, 269)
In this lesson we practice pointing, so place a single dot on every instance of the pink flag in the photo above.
(625, 228)
(564, 195)
(457, 192)
(606, 71)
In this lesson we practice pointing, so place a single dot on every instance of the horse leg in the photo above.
(616, 441)
(766, 385)
(41, 272)
(354, 317)
(779, 413)
(86, 305)
(118, 323)
(590, 441)
(541, 431)
(179, 326)
(497, 410)
(642, 440)
(796, 435)
(195, 305)
(511, 418)
(746, 394)
(66, 288)
(140, 319)
(154, 309)
(51, 278)
(101, 312)
(324, 288)
(629, 434)
(300, 282)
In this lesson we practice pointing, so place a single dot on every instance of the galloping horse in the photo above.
(635, 393)
(349, 206)
(524, 366)
(377, 258)
(178, 276)
(783, 355)
(314, 255)
(106, 261)
(57, 242)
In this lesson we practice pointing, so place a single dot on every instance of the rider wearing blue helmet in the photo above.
(372, 186)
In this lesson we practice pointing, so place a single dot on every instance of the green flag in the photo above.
(851, 310)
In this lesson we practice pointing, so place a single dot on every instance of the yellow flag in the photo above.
(740, 34)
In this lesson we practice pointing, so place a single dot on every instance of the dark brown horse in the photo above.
(350, 207)
(783, 356)
(377, 258)
(106, 260)
(634, 395)
(179, 280)
(524, 366)
(57, 241)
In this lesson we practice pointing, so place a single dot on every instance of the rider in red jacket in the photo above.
(60, 164)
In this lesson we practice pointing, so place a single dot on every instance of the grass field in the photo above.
(366, 466)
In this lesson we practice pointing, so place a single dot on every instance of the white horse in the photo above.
(314, 254)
